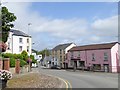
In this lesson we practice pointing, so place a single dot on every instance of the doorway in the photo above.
(75, 65)
(106, 67)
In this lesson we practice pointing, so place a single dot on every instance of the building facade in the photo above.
(59, 54)
(98, 57)
(18, 41)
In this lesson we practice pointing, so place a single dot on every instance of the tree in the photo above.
(33, 59)
(6, 18)
(44, 53)
(24, 55)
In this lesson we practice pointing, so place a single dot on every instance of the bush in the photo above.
(33, 59)
(24, 55)
(22, 63)
(7, 55)
(18, 56)
(12, 62)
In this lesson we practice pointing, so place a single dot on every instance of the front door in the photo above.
(75, 65)
(106, 67)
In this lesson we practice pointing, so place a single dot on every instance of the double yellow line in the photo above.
(68, 85)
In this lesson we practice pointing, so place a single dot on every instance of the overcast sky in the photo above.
(55, 23)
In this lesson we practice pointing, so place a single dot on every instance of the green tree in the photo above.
(24, 55)
(44, 53)
(6, 23)
(33, 59)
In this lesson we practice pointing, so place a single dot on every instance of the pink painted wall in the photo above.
(87, 57)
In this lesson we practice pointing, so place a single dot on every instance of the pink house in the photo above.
(97, 57)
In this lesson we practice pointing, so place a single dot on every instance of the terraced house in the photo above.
(97, 57)
(59, 54)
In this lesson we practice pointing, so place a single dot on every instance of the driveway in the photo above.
(82, 79)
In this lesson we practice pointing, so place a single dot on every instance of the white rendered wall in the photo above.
(114, 50)
(69, 47)
(14, 44)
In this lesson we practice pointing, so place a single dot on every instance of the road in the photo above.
(82, 79)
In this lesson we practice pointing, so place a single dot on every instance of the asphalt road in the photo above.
(80, 79)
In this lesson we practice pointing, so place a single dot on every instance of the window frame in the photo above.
(20, 48)
(105, 56)
(93, 57)
(20, 40)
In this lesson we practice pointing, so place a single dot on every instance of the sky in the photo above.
(54, 23)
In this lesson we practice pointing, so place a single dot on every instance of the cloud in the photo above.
(106, 27)
(47, 32)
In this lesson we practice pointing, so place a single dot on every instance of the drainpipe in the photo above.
(86, 56)
(12, 44)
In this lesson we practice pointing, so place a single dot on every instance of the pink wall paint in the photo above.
(87, 57)
(99, 57)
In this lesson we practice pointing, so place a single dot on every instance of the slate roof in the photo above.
(19, 33)
(61, 46)
(94, 47)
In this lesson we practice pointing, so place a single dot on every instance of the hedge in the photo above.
(22, 57)
(22, 63)
(13, 58)
(12, 62)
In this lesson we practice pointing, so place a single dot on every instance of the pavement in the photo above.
(83, 79)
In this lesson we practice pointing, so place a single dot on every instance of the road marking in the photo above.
(65, 81)
(69, 84)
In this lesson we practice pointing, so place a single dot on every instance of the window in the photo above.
(60, 51)
(20, 40)
(72, 54)
(93, 56)
(56, 52)
(28, 40)
(27, 48)
(64, 51)
(8, 45)
(105, 56)
(78, 53)
(64, 58)
(20, 48)
(60, 58)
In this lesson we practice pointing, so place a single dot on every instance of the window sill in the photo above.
(105, 60)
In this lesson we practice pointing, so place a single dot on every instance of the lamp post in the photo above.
(29, 26)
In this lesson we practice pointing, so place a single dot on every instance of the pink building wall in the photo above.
(87, 57)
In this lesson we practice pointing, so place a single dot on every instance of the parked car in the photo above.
(55, 67)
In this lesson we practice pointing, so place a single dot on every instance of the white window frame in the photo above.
(20, 48)
(20, 40)
(105, 56)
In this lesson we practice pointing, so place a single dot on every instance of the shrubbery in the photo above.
(13, 58)
(33, 59)
(12, 62)
(22, 63)
(22, 57)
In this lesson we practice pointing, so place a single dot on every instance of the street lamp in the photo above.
(29, 26)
